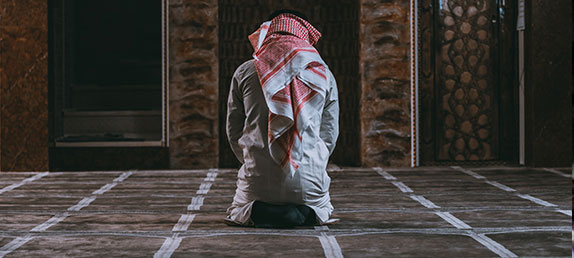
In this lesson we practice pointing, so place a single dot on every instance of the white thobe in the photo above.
(259, 177)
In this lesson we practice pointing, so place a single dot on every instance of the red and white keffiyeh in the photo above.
(294, 82)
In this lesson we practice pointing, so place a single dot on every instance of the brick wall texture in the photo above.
(385, 79)
(193, 69)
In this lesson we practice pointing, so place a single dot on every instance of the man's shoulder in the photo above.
(331, 78)
(329, 73)
(247, 65)
(245, 69)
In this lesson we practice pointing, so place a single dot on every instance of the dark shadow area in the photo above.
(105, 73)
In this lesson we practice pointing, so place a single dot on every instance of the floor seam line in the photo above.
(490, 244)
(551, 170)
(59, 217)
(171, 244)
(23, 182)
(516, 193)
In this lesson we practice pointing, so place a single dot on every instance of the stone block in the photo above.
(24, 86)
(385, 76)
(194, 70)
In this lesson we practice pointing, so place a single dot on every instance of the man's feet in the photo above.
(309, 214)
(266, 215)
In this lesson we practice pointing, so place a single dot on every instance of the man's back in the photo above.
(282, 124)
(260, 177)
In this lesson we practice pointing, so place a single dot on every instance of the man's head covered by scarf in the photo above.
(294, 81)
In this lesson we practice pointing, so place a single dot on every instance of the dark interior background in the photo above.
(105, 58)
(115, 55)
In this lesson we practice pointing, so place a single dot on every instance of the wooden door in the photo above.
(467, 81)
(337, 20)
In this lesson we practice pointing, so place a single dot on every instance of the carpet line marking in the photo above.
(523, 196)
(196, 203)
(210, 177)
(461, 225)
(330, 246)
(82, 203)
(307, 233)
(23, 182)
(492, 245)
(14, 244)
(183, 222)
(483, 239)
(536, 200)
(424, 201)
(172, 243)
(18, 242)
(104, 188)
(123, 176)
(385, 174)
(404, 188)
(203, 188)
(168, 247)
(551, 170)
(456, 222)
(500, 186)
(566, 212)
(468, 172)
(50, 222)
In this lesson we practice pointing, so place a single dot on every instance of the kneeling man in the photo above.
(282, 124)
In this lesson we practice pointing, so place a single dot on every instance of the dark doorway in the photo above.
(337, 20)
(107, 70)
(468, 82)
(107, 78)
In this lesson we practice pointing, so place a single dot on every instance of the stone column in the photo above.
(385, 83)
(193, 109)
(24, 85)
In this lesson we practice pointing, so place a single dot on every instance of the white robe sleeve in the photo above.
(330, 118)
(235, 118)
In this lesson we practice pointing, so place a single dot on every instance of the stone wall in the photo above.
(385, 79)
(193, 110)
(24, 85)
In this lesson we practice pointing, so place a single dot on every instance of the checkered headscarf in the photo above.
(294, 81)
